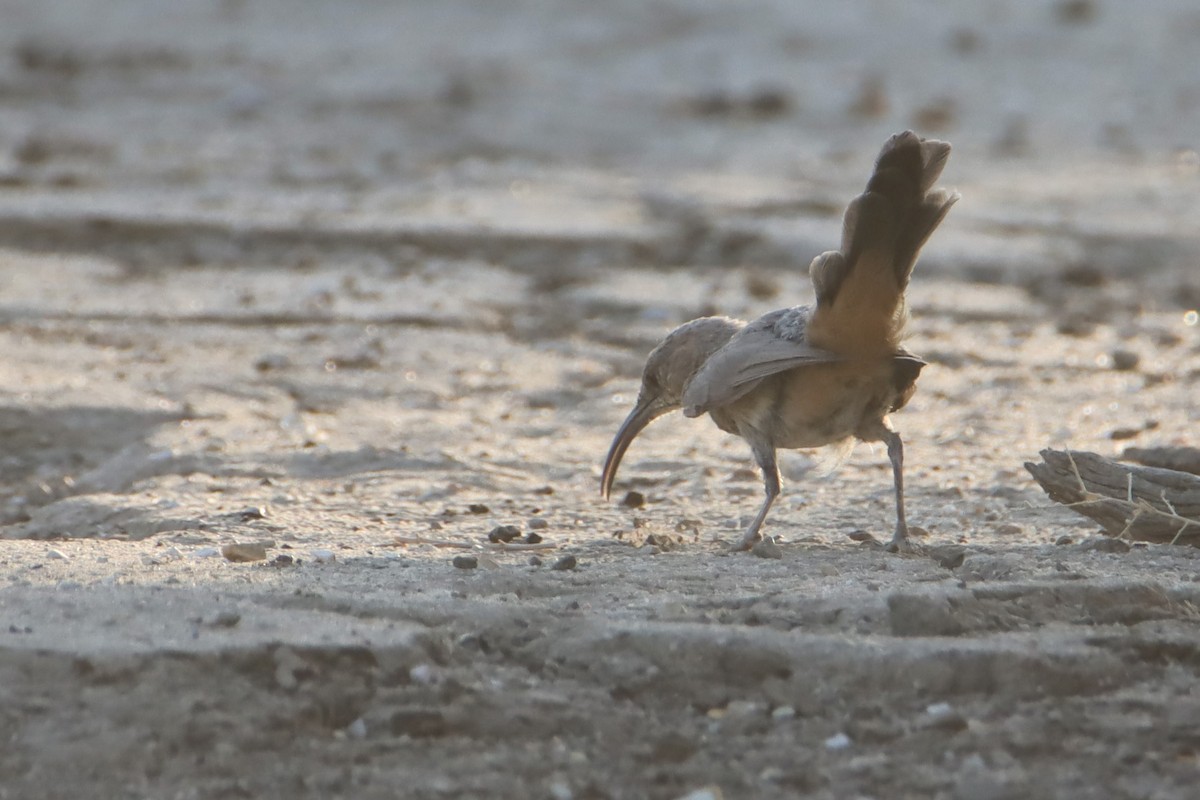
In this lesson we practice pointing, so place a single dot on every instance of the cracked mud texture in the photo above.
(339, 279)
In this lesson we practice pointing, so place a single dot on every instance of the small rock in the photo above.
(561, 790)
(271, 362)
(465, 562)
(862, 536)
(535, 561)
(766, 548)
(290, 668)
(705, 793)
(225, 619)
(478, 508)
(942, 716)
(1104, 544)
(949, 556)
(783, 713)
(634, 500)
(256, 512)
(206, 552)
(1125, 360)
(357, 729)
(532, 538)
(282, 560)
(537, 523)
(58, 555)
(839, 741)
(504, 533)
(1076, 12)
(565, 563)
(424, 674)
(771, 775)
(1064, 539)
(244, 551)
(1010, 529)
(322, 556)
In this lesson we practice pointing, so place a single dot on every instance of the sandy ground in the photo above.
(338, 276)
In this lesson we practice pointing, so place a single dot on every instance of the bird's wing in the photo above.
(735, 369)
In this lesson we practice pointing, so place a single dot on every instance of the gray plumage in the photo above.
(825, 374)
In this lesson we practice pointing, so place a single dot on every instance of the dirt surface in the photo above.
(365, 281)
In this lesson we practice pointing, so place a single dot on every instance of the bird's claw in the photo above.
(904, 547)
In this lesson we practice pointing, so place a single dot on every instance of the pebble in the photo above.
(478, 508)
(839, 741)
(704, 793)
(532, 538)
(57, 554)
(252, 513)
(244, 551)
(504, 533)
(565, 563)
(424, 674)
(782, 713)
(357, 729)
(633, 500)
(943, 716)
(1125, 360)
(538, 523)
(287, 664)
(1104, 544)
(766, 548)
(225, 619)
(322, 556)
(560, 790)
(465, 562)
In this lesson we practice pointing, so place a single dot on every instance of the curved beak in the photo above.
(642, 415)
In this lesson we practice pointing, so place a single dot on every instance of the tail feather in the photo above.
(860, 291)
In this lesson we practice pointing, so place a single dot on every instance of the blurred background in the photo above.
(1074, 122)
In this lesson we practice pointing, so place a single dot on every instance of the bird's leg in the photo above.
(895, 448)
(764, 454)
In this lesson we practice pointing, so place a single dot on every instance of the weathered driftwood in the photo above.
(1184, 459)
(1142, 503)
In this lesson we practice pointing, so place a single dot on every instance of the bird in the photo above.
(814, 375)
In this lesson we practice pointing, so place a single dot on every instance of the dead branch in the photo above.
(1142, 503)
(1183, 459)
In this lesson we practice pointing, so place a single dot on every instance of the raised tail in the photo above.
(860, 289)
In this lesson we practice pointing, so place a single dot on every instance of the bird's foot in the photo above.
(742, 546)
(748, 542)
(904, 546)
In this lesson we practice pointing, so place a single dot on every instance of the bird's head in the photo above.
(669, 368)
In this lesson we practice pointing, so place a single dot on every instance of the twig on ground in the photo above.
(405, 541)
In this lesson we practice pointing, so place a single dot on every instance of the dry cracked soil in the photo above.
(365, 282)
